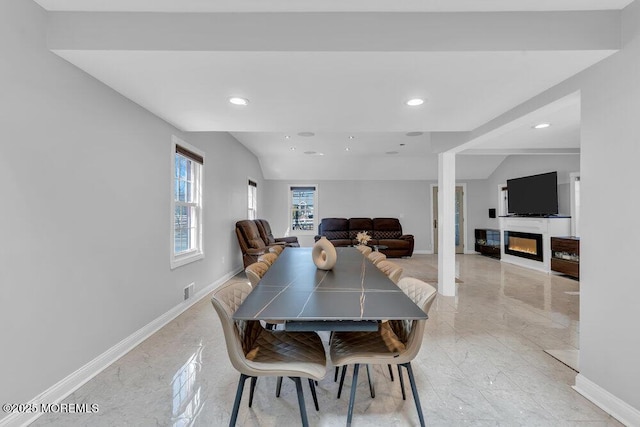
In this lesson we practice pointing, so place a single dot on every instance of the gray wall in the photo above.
(409, 201)
(609, 291)
(85, 186)
(518, 166)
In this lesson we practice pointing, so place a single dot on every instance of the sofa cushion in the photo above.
(356, 225)
(386, 228)
(335, 235)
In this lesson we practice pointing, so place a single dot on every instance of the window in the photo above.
(252, 190)
(186, 203)
(303, 208)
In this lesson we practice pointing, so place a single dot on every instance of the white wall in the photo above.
(85, 211)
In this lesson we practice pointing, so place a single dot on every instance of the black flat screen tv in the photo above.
(535, 195)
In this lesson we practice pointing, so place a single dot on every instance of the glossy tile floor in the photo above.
(482, 363)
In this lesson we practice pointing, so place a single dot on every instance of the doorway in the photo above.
(460, 210)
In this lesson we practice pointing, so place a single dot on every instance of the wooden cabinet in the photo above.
(488, 242)
(565, 255)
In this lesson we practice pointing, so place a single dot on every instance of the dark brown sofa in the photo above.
(383, 231)
(255, 238)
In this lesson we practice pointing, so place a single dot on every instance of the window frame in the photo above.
(252, 183)
(197, 252)
(314, 228)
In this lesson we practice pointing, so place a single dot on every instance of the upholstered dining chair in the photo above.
(391, 269)
(268, 259)
(397, 342)
(366, 250)
(376, 257)
(276, 249)
(255, 272)
(255, 351)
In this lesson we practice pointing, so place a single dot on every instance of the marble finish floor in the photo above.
(482, 363)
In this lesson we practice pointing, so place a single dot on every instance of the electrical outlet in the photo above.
(188, 291)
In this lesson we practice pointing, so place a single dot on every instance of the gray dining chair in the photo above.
(397, 342)
(256, 352)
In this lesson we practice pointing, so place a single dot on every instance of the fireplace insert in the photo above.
(524, 245)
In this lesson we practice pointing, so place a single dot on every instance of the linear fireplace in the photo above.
(525, 245)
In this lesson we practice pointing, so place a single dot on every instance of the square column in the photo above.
(447, 224)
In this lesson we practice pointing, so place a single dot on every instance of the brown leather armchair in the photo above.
(267, 236)
(252, 243)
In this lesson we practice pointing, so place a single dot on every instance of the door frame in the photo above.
(465, 235)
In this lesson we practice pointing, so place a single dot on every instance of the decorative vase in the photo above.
(324, 254)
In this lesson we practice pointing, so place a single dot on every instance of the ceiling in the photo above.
(344, 77)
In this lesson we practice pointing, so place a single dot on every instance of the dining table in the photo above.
(352, 296)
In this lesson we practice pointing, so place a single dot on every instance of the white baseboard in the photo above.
(423, 252)
(77, 379)
(617, 408)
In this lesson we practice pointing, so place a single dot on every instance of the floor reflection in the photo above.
(187, 401)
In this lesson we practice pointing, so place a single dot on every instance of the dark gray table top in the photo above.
(294, 289)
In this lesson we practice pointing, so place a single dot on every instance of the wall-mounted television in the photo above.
(535, 195)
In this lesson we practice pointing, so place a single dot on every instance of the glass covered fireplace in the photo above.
(525, 245)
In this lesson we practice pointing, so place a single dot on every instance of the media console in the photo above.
(526, 241)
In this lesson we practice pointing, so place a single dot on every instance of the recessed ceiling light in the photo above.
(306, 133)
(236, 100)
(391, 152)
(347, 149)
(542, 125)
(287, 136)
(351, 136)
(414, 133)
(414, 102)
(292, 148)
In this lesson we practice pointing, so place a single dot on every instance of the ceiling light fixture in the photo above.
(287, 137)
(414, 102)
(236, 100)
(351, 137)
(347, 149)
(292, 148)
(542, 125)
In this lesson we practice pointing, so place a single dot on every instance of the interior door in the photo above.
(459, 220)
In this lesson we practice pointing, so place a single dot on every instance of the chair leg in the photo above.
(236, 403)
(278, 386)
(390, 372)
(371, 389)
(335, 375)
(404, 396)
(312, 386)
(414, 389)
(344, 372)
(303, 410)
(253, 387)
(354, 386)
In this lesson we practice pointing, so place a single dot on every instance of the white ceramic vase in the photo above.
(324, 254)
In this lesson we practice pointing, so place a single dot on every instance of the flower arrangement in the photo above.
(363, 237)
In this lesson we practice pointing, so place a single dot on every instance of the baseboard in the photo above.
(423, 252)
(77, 379)
(617, 408)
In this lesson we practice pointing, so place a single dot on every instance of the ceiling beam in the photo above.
(521, 151)
(336, 32)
